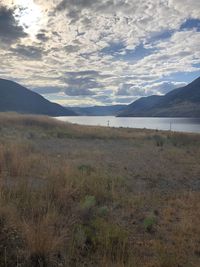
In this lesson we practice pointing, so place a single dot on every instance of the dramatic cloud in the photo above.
(71, 48)
(42, 37)
(10, 31)
(80, 83)
(28, 52)
(164, 87)
(85, 52)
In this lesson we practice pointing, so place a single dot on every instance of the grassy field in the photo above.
(93, 196)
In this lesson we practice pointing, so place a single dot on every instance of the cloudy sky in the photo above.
(94, 52)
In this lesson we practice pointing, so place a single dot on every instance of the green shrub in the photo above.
(107, 239)
(149, 222)
(85, 169)
(89, 202)
(103, 211)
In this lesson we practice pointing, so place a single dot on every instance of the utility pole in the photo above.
(170, 126)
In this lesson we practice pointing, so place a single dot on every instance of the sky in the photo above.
(99, 52)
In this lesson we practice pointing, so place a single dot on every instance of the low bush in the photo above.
(149, 223)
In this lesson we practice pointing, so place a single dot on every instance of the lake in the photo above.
(175, 124)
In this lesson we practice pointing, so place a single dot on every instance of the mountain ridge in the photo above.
(112, 110)
(17, 98)
(180, 102)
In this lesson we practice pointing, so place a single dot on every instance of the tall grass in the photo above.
(61, 211)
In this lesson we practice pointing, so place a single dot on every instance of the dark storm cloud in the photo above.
(28, 52)
(73, 15)
(56, 34)
(42, 37)
(10, 31)
(101, 6)
(87, 73)
(76, 3)
(82, 83)
(124, 89)
(75, 7)
(77, 91)
(83, 73)
(72, 48)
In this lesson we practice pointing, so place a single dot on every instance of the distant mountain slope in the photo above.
(99, 110)
(14, 97)
(181, 102)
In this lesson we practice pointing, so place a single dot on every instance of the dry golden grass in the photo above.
(93, 196)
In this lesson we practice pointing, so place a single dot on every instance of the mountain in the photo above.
(181, 102)
(99, 110)
(14, 97)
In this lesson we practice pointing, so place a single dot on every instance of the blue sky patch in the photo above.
(191, 24)
(183, 76)
(119, 52)
(113, 49)
(138, 53)
(160, 36)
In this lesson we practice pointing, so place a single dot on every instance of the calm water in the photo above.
(176, 124)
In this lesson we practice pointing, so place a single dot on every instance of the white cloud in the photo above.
(74, 32)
